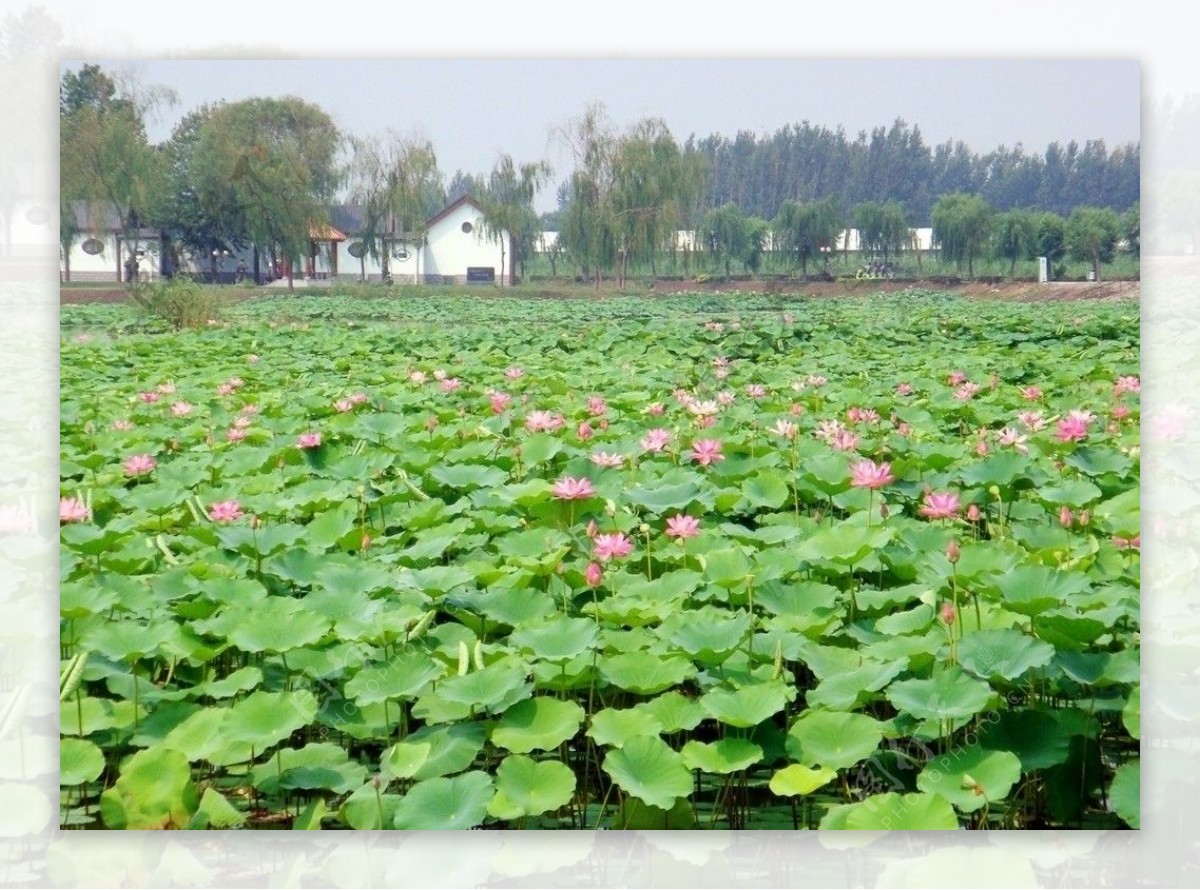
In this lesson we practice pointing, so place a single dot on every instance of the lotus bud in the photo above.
(365, 544)
(644, 528)
(610, 507)
(973, 513)
(947, 613)
(1065, 518)
(1085, 517)
(953, 552)
(594, 574)
(994, 491)
(883, 511)
(592, 529)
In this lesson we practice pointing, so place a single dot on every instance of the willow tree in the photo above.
(393, 178)
(105, 158)
(1092, 235)
(1015, 236)
(507, 202)
(654, 187)
(883, 229)
(807, 230)
(589, 225)
(272, 163)
(961, 225)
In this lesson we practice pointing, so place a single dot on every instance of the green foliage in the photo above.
(180, 302)
(961, 225)
(1092, 234)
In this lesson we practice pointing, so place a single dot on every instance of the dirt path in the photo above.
(1020, 291)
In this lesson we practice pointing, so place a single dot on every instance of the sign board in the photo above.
(481, 274)
(1043, 270)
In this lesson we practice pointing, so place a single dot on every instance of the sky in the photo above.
(473, 110)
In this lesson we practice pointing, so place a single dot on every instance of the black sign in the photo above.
(481, 274)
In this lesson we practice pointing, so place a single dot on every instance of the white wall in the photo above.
(449, 250)
(107, 265)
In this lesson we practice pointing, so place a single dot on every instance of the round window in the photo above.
(468, 227)
(358, 250)
(92, 246)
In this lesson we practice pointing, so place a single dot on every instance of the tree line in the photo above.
(261, 172)
(804, 162)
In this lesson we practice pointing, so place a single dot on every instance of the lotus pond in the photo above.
(724, 562)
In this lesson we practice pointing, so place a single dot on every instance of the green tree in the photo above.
(395, 180)
(883, 229)
(726, 234)
(1092, 235)
(1014, 235)
(105, 158)
(961, 225)
(654, 186)
(808, 230)
(589, 225)
(273, 164)
(1131, 230)
(1051, 237)
(508, 208)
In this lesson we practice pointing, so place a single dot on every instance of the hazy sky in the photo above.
(473, 110)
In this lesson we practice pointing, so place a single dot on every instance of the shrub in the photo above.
(181, 302)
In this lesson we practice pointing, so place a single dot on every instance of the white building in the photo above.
(101, 250)
(453, 249)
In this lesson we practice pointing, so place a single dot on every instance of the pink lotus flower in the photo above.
(450, 384)
(181, 409)
(250, 409)
(756, 390)
(139, 464)
(785, 428)
(720, 362)
(514, 373)
(122, 424)
(343, 405)
(703, 409)
(655, 440)
(844, 440)
(606, 547)
(903, 429)
(225, 511)
(1033, 420)
(827, 429)
(417, 377)
(235, 382)
(973, 513)
(966, 391)
(862, 415)
(309, 440)
(947, 613)
(73, 510)
(439, 375)
(981, 447)
(148, 397)
(714, 326)
(904, 389)
(1134, 543)
(1031, 393)
(1127, 384)
(242, 422)
(655, 409)
(725, 398)
(1120, 412)
(568, 488)
(359, 398)
(500, 402)
(868, 474)
(596, 406)
(1011, 438)
(956, 378)
(1072, 429)
(543, 421)
(584, 431)
(721, 373)
(706, 451)
(235, 434)
(816, 380)
(682, 526)
(224, 389)
(683, 397)
(940, 505)
(594, 574)
(607, 459)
